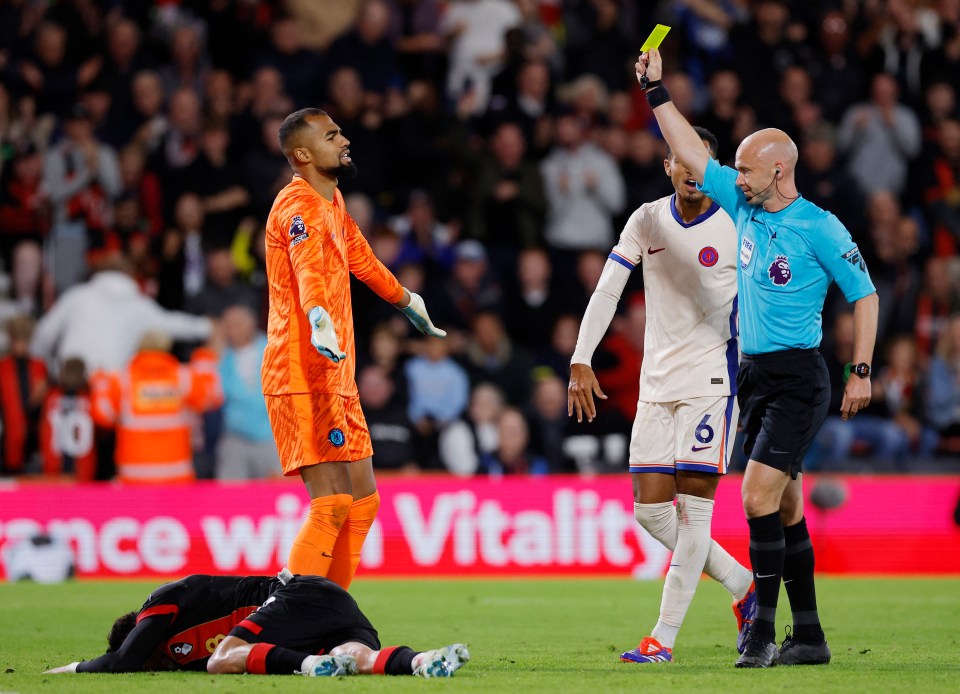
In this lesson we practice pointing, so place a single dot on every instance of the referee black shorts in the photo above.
(784, 397)
(309, 614)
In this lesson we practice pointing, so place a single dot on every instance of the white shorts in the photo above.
(693, 435)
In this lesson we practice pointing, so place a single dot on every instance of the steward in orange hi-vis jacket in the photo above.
(150, 403)
(312, 248)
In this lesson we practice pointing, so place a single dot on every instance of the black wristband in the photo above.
(646, 84)
(658, 97)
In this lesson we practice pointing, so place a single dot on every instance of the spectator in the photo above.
(102, 321)
(899, 387)
(149, 402)
(939, 299)
(182, 259)
(49, 73)
(943, 194)
(642, 172)
(528, 103)
(508, 198)
(146, 124)
(142, 185)
(266, 98)
(415, 32)
(246, 450)
(892, 246)
(531, 314)
(880, 137)
(471, 287)
(265, 169)
(584, 190)
(22, 202)
(301, 68)
(513, 455)
(837, 72)
(439, 389)
(222, 289)
(549, 421)
(492, 356)
(476, 30)
(826, 183)
(214, 177)
(367, 48)
(462, 443)
(942, 397)
(425, 240)
(81, 177)
(66, 427)
(188, 65)
(180, 144)
(23, 386)
(390, 428)
(871, 431)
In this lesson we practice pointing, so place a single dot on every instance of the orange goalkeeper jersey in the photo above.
(312, 247)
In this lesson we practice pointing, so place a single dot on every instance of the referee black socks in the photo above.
(798, 565)
(766, 556)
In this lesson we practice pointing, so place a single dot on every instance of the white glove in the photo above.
(323, 336)
(417, 313)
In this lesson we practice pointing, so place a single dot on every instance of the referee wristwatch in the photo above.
(862, 369)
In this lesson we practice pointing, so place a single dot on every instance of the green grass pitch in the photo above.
(887, 635)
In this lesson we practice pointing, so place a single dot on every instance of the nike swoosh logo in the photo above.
(324, 554)
(651, 251)
(697, 449)
(765, 575)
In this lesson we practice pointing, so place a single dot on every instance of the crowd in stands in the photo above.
(502, 144)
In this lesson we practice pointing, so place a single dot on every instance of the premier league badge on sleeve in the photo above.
(298, 231)
(779, 271)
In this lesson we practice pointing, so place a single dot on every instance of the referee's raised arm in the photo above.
(679, 134)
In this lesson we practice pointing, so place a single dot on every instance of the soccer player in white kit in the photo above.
(687, 413)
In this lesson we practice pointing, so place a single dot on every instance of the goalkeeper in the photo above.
(261, 625)
(312, 248)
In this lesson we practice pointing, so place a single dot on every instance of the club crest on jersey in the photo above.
(708, 256)
(181, 650)
(779, 271)
(298, 231)
(336, 437)
(854, 258)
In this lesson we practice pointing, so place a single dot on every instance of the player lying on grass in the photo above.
(261, 625)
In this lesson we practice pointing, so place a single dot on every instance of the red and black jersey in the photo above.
(186, 620)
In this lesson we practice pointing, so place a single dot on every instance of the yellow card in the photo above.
(655, 38)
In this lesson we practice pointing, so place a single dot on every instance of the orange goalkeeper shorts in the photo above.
(312, 428)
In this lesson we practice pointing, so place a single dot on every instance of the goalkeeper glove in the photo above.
(417, 313)
(322, 336)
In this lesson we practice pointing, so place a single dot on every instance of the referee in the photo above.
(789, 252)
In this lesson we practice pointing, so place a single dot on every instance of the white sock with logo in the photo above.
(693, 545)
(660, 520)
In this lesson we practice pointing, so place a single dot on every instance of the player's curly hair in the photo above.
(120, 630)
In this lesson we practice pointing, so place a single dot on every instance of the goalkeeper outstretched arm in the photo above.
(603, 304)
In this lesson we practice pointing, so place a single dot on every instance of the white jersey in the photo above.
(690, 286)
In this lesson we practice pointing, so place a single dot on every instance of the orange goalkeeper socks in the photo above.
(313, 548)
(346, 553)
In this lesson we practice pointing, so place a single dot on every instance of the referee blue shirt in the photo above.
(787, 260)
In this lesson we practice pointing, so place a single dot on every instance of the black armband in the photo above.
(658, 97)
